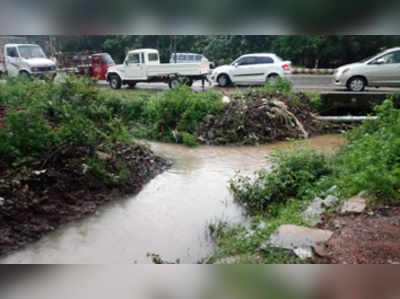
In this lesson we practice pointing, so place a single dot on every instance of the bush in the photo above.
(292, 176)
(371, 160)
(188, 139)
(178, 110)
(278, 85)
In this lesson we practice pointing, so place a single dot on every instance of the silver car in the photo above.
(380, 70)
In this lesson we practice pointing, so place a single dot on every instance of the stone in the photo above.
(356, 205)
(304, 252)
(226, 99)
(293, 237)
(103, 156)
(228, 260)
(317, 208)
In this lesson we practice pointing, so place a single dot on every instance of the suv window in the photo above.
(393, 57)
(198, 57)
(12, 52)
(247, 61)
(264, 60)
(133, 58)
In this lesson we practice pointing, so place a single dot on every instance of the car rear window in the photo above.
(264, 60)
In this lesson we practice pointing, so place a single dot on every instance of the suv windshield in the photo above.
(106, 58)
(31, 51)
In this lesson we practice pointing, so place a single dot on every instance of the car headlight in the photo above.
(34, 69)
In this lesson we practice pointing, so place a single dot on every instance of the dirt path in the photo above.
(369, 238)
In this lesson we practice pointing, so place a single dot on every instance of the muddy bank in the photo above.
(370, 238)
(61, 188)
(258, 117)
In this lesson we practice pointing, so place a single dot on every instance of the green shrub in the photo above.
(188, 139)
(371, 160)
(26, 135)
(292, 175)
(178, 110)
(278, 85)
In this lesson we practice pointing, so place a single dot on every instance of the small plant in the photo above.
(292, 176)
(278, 85)
(188, 139)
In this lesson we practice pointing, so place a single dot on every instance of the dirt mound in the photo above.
(370, 238)
(61, 188)
(259, 118)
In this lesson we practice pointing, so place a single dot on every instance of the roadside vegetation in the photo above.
(63, 153)
(368, 163)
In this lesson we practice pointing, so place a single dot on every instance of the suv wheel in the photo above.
(356, 84)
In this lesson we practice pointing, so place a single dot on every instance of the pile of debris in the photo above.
(260, 118)
(62, 187)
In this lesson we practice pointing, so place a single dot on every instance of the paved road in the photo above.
(313, 83)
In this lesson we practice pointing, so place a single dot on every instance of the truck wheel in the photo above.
(188, 82)
(115, 82)
(131, 85)
(223, 80)
(173, 83)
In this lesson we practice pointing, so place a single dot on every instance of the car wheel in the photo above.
(223, 80)
(173, 83)
(356, 84)
(272, 79)
(115, 82)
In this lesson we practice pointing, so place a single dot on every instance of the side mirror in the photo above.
(236, 64)
(126, 62)
(380, 61)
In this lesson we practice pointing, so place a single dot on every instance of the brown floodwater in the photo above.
(169, 217)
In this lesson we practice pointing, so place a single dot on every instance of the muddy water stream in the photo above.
(169, 217)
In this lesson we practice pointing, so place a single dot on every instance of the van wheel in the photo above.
(25, 75)
(356, 84)
(223, 80)
(115, 82)
(173, 83)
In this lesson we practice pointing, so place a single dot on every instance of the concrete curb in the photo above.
(313, 71)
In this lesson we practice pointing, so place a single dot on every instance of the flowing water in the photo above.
(169, 217)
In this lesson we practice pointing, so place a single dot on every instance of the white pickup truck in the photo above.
(143, 65)
(26, 60)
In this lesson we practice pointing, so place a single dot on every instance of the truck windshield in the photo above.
(31, 51)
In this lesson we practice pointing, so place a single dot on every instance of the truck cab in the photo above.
(27, 60)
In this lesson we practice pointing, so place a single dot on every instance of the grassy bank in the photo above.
(369, 163)
(64, 152)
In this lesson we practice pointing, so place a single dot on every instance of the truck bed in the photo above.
(184, 69)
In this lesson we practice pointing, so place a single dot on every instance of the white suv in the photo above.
(380, 70)
(251, 69)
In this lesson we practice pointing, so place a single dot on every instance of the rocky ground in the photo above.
(260, 118)
(60, 188)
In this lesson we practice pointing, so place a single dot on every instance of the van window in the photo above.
(198, 57)
(12, 52)
(153, 57)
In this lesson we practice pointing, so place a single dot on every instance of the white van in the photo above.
(26, 60)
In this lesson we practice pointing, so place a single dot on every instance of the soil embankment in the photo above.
(58, 189)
